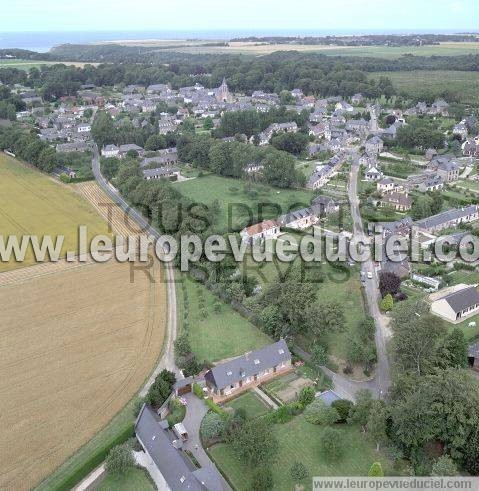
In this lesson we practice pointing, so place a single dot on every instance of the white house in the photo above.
(269, 229)
(457, 306)
(110, 151)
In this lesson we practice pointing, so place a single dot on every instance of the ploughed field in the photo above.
(77, 340)
(75, 346)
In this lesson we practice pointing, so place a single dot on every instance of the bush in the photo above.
(376, 470)
(331, 444)
(343, 407)
(215, 408)
(282, 415)
(212, 425)
(262, 479)
(319, 413)
(119, 460)
(198, 391)
(298, 471)
(387, 303)
(306, 395)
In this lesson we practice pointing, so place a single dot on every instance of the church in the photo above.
(223, 93)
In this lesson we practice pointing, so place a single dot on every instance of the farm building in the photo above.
(246, 371)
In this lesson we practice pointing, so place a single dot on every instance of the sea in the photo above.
(43, 41)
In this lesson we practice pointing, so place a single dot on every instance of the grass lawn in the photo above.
(245, 200)
(33, 204)
(468, 184)
(222, 334)
(251, 403)
(299, 442)
(343, 287)
(416, 82)
(135, 479)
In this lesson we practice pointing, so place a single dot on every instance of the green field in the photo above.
(33, 204)
(244, 199)
(419, 81)
(135, 479)
(27, 64)
(251, 403)
(299, 442)
(259, 49)
(222, 334)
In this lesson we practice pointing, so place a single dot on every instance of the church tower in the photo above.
(223, 93)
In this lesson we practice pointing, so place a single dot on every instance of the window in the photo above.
(281, 351)
(229, 373)
(256, 362)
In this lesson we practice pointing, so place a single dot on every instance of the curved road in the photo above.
(167, 359)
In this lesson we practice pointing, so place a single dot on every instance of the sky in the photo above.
(239, 15)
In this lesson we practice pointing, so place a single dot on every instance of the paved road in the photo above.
(167, 359)
(382, 380)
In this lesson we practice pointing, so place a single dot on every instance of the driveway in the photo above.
(195, 411)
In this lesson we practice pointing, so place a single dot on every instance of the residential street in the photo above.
(383, 333)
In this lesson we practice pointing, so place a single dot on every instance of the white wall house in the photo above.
(457, 306)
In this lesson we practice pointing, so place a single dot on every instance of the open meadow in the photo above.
(34, 204)
(76, 346)
(241, 202)
(256, 48)
(27, 64)
(417, 82)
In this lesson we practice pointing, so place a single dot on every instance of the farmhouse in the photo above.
(397, 201)
(269, 229)
(161, 173)
(457, 306)
(385, 185)
(299, 219)
(168, 465)
(110, 151)
(373, 174)
(448, 219)
(324, 205)
(374, 145)
(130, 147)
(231, 377)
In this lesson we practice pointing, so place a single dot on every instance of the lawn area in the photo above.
(251, 403)
(221, 334)
(470, 185)
(299, 442)
(416, 82)
(135, 479)
(343, 287)
(33, 204)
(245, 200)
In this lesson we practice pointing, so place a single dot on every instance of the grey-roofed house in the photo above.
(231, 377)
(161, 173)
(299, 219)
(457, 306)
(450, 218)
(169, 467)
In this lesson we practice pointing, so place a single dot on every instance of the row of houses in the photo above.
(298, 219)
